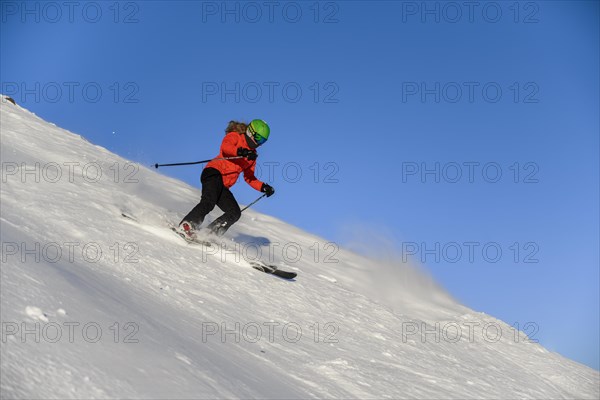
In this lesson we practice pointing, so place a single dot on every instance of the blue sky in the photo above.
(363, 99)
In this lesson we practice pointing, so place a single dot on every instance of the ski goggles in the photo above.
(257, 137)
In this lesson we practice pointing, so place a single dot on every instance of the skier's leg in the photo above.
(212, 186)
(230, 206)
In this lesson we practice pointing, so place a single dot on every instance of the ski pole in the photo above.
(196, 162)
(254, 202)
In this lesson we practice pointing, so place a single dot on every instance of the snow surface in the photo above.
(80, 324)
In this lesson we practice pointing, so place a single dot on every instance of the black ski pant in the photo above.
(214, 193)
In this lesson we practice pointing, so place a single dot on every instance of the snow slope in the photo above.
(94, 305)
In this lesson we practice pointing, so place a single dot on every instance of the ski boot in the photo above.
(187, 230)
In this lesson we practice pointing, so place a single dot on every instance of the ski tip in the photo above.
(285, 274)
(128, 217)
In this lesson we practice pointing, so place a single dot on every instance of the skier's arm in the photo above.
(251, 179)
(229, 145)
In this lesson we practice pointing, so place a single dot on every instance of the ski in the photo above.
(257, 265)
(273, 270)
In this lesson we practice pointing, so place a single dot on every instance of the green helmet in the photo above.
(259, 130)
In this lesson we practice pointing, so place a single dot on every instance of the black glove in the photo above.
(249, 154)
(268, 189)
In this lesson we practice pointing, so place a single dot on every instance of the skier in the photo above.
(219, 175)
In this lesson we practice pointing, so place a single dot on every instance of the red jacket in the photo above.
(231, 169)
